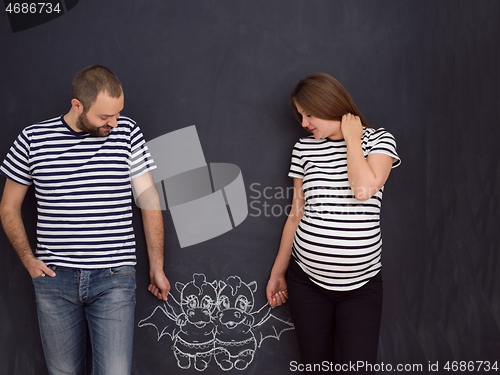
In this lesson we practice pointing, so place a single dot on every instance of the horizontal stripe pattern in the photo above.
(83, 190)
(338, 241)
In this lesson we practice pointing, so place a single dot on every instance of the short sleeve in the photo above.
(297, 164)
(382, 142)
(141, 159)
(16, 165)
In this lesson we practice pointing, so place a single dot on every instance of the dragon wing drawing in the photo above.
(164, 318)
(268, 325)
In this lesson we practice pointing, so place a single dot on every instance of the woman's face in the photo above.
(318, 127)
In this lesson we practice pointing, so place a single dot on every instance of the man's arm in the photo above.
(154, 231)
(12, 221)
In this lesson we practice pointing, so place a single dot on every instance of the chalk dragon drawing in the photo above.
(215, 321)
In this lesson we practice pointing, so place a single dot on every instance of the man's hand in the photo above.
(12, 221)
(159, 286)
(38, 268)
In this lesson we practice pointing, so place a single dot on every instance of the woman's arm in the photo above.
(366, 175)
(276, 290)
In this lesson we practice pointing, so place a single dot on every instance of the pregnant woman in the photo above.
(328, 264)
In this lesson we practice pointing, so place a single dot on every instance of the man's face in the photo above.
(102, 116)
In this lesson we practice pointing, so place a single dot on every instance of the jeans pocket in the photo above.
(43, 275)
(122, 271)
(122, 277)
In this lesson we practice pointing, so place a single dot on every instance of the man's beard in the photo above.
(85, 125)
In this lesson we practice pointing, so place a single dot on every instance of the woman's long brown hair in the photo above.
(322, 96)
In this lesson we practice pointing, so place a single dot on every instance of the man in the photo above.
(82, 165)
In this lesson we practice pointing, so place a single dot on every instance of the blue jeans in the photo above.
(103, 299)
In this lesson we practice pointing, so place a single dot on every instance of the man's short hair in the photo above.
(91, 81)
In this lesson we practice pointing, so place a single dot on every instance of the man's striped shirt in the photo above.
(338, 241)
(83, 189)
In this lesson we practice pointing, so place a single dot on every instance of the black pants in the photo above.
(335, 330)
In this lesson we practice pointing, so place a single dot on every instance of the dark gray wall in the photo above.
(428, 71)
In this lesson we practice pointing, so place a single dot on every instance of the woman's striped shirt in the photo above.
(338, 241)
(83, 189)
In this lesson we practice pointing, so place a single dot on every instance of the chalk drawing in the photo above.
(215, 322)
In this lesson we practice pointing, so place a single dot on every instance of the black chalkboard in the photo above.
(425, 70)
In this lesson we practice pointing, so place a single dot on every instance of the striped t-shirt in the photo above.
(83, 189)
(338, 242)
